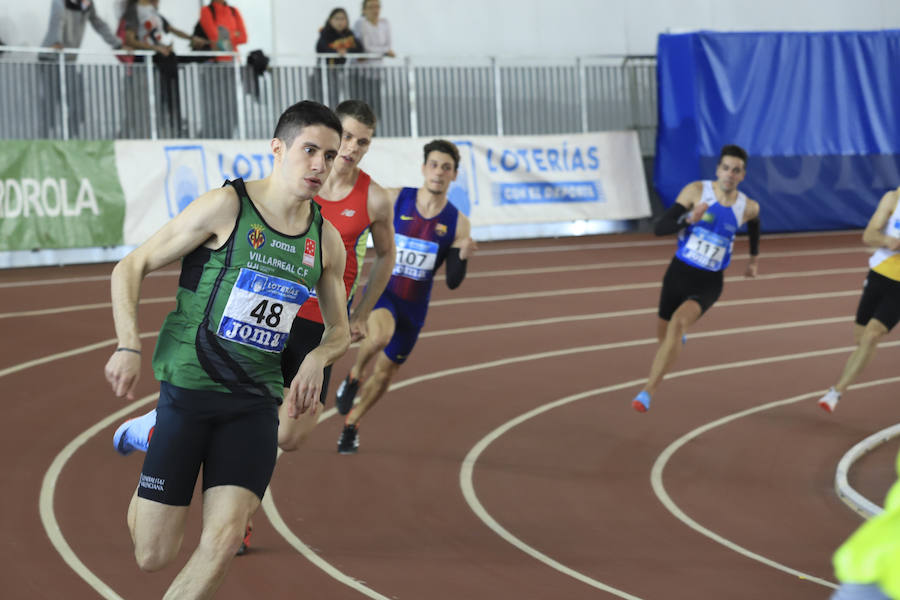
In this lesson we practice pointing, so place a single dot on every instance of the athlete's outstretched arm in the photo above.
(381, 213)
(208, 219)
(307, 383)
(873, 235)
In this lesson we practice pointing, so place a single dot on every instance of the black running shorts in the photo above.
(684, 282)
(235, 441)
(304, 337)
(880, 300)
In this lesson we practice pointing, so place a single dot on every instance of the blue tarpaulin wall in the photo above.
(819, 114)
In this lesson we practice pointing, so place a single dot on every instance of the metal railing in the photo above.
(48, 94)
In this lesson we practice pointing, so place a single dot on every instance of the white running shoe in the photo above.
(134, 434)
(829, 401)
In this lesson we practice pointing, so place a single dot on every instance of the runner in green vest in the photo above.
(251, 253)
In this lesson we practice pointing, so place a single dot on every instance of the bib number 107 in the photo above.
(411, 258)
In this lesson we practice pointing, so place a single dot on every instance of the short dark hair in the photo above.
(445, 147)
(303, 114)
(357, 109)
(735, 151)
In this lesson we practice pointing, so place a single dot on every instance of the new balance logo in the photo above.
(348, 212)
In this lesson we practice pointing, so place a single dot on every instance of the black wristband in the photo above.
(122, 349)
(455, 269)
(672, 220)
(753, 235)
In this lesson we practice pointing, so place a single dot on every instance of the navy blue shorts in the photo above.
(409, 318)
(304, 338)
(235, 441)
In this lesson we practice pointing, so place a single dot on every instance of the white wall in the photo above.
(495, 27)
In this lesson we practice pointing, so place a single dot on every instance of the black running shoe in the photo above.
(345, 394)
(349, 441)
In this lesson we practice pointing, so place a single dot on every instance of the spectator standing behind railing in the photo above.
(146, 29)
(375, 35)
(68, 20)
(224, 28)
(336, 36)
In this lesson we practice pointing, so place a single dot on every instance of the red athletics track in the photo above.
(563, 503)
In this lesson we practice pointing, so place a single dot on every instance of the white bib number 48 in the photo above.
(260, 310)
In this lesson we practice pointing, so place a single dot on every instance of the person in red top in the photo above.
(224, 27)
(355, 205)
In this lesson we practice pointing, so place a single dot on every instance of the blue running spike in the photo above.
(641, 402)
(134, 434)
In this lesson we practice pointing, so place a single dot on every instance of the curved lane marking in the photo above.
(468, 466)
(657, 262)
(48, 489)
(71, 280)
(78, 307)
(635, 286)
(49, 483)
(473, 275)
(656, 475)
(66, 354)
(271, 511)
(468, 489)
(848, 495)
(498, 298)
(492, 252)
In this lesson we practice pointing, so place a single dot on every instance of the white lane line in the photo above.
(486, 252)
(49, 483)
(575, 318)
(77, 307)
(48, 489)
(655, 263)
(500, 326)
(468, 466)
(70, 280)
(656, 476)
(271, 511)
(61, 355)
(469, 461)
(664, 241)
(468, 490)
(525, 295)
(487, 274)
(624, 287)
(848, 495)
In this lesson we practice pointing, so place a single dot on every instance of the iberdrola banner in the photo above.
(88, 194)
(59, 195)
